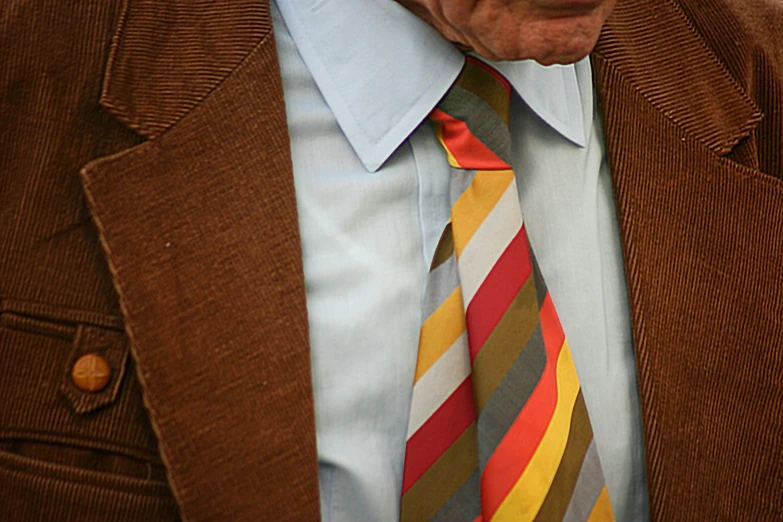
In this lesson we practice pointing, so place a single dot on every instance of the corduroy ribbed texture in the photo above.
(206, 260)
(65, 455)
(209, 278)
(161, 45)
(688, 124)
(72, 494)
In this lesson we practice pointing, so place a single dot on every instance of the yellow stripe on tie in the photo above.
(526, 497)
(476, 203)
(602, 509)
(439, 134)
(439, 331)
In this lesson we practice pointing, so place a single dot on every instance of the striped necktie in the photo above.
(498, 429)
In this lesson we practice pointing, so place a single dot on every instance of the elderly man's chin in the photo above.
(550, 42)
(548, 31)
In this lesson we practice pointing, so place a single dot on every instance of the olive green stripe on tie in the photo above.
(442, 479)
(504, 344)
(560, 492)
(444, 249)
(510, 397)
(480, 82)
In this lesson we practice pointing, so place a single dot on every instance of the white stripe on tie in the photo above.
(489, 242)
(440, 381)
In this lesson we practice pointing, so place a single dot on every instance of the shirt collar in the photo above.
(381, 70)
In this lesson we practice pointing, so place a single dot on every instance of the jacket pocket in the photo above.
(97, 338)
(33, 489)
(47, 412)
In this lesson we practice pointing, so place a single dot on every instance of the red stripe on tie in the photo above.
(438, 433)
(550, 323)
(497, 291)
(467, 149)
(513, 454)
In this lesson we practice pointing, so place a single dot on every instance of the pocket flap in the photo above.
(95, 367)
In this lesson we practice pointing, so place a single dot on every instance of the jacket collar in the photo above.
(656, 51)
(166, 58)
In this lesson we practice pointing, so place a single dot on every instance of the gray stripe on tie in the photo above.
(441, 283)
(464, 505)
(588, 487)
(482, 120)
(510, 396)
(460, 181)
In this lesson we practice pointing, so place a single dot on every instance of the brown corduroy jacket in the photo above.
(147, 214)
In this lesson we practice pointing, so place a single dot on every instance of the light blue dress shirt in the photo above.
(372, 182)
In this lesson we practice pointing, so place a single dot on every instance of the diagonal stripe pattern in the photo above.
(498, 428)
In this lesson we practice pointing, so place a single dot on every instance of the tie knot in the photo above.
(471, 121)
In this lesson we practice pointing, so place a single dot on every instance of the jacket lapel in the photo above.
(700, 227)
(200, 229)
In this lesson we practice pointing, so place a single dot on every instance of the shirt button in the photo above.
(91, 373)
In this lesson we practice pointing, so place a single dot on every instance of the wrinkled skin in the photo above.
(548, 31)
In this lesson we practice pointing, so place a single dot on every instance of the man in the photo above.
(174, 259)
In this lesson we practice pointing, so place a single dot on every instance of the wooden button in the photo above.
(91, 373)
